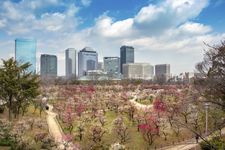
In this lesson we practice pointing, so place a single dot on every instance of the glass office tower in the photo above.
(112, 65)
(70, 63)
(162, 72)
(126, 56)
(48, 66)
(87, 60)
(25, 51)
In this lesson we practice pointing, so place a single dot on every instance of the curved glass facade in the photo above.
(87, 60)
(112, 65)
(25, 51)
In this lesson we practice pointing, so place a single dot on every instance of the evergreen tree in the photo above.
(18, 86)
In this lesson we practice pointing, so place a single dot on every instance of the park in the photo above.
(114, 115)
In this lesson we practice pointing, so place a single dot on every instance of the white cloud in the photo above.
(149, 14)
(152, 20)
(10, 11)
(155, 19)
(51, 22)
(86, 2)
(194, 28)
(2, 23)
(21, 18)
(105, 27)
(161, 33)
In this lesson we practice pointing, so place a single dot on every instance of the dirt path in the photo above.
(54, 128)
(182, 146)
(189, 145)
(56, 131)
(138, 105)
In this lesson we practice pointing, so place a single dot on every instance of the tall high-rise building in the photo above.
(162, 72)
(126, 56)
(100, 66)
(25, 51)
(112, 65)
(70, 63)
(87, 60)
(48, 66)
(142, 71)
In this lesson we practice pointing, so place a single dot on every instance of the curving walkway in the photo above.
(191, 144)
(55, 130)
(138, 105)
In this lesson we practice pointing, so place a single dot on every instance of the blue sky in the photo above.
(161, 31)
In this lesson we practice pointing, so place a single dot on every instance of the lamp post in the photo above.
(206, 118)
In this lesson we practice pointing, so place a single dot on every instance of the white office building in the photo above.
(143, 71)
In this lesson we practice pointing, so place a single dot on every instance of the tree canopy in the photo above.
(18, 86)
(211, 80)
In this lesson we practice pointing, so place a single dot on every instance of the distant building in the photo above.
(70, 63)
(112, 66)
(25, 51)
(100, 66)
(94, 75)
(87, 60)
(48, 66)
(126, 56)
(188, 77)
(142, 71)
(162, 72)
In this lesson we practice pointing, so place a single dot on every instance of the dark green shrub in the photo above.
(6, 142)
(1, 109)
(216, 143)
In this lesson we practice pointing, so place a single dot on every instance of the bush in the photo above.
(1, 109)
(6, 142)
(217, 143)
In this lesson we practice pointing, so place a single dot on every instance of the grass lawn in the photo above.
(40, 125)
(135, 140)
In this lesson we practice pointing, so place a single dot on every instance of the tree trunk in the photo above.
(10, 107)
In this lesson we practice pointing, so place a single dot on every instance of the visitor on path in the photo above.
(197, 137)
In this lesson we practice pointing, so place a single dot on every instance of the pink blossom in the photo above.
(68, 138)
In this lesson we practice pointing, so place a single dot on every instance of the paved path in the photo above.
(138, 105)
(55, 130)
(189, 145)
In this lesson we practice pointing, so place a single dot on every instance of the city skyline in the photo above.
(146, 25)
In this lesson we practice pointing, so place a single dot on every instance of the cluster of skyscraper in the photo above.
(88, 65)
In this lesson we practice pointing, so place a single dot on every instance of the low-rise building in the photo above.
(142, 71)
